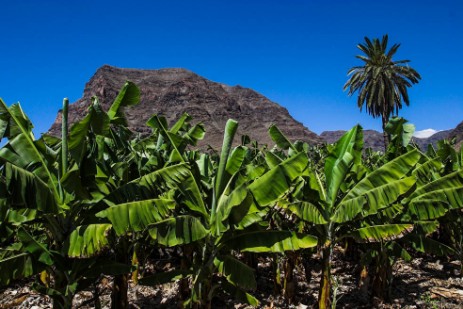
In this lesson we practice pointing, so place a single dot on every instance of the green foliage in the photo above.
(110, 195)
(88, 240)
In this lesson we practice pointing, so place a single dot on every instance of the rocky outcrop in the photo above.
(457, 134)
(171, 92)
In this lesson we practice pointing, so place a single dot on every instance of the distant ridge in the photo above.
(171, 92)
(374, 139)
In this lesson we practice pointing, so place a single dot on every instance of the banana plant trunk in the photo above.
(119, 298)
(324, 295)
(290, 282)
(61, 301)
(206, 283)
(276, 267)
(382, 277)
(185, 264)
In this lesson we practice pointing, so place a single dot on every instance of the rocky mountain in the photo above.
(372, 139)
(457, 133)
(171, 92)
(433, 139)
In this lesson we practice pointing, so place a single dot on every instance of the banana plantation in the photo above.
(102, 203)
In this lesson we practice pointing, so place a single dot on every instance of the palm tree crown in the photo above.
(381, 82)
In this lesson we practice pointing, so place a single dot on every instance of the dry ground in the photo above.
(423, 283)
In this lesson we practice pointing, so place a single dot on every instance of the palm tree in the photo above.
(381, 82)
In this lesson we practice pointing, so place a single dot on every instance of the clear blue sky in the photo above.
(295, 52)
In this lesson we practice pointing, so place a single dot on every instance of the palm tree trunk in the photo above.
(385, 120)
(64, 137)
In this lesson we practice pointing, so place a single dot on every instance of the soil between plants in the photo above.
(423, 283)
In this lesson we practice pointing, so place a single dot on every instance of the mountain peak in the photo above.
(172, 91)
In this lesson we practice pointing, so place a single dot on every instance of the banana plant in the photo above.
(125, 190)
(235, 207)
(340, 199)
(136, 203)
(32, 199)
(401, 132)
(47, 194)
(411, 210)
(437, 201)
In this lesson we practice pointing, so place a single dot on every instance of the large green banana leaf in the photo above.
(191, 194)
(150, 184)
(75, 183)
(178, 231)
(236, 272)
(189, 186)
(20, 216)
(137, 216)
(279, 138)
(427, 171)
(273, 184)
(378, 189)
(96, 120)
(434, 199)
(88, 240)
(28, 190)
(272, 159)
(128, 95)
(306, 211)
(18, 266)
(400, 130)
(22, 150)
(347, 151)
(270, 241)
(235, 161)
(34, 247)
(223, 177)
(384, 232)
(253, 216)
(234, 206)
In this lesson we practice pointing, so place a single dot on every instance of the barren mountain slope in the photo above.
(171, 92)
